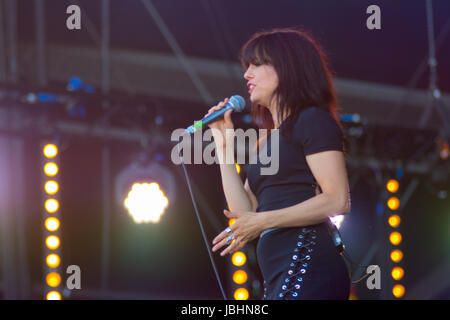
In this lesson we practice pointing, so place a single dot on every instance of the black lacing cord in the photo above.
(201, 225)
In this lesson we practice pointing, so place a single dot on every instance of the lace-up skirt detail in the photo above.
(301, 263)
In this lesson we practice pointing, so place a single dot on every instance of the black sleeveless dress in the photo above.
(298, 262)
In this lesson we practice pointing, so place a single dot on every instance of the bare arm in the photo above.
(236, 194)
(251, 196)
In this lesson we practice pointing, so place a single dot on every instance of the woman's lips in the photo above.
(250, 88)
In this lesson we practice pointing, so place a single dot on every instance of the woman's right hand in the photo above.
(221, 125)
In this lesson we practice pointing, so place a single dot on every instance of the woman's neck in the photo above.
(277, 122)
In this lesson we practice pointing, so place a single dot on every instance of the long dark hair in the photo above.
(304, 74)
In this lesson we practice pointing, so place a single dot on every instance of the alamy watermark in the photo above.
(74, 20)
(374, 20)
(374, 280)
(212, 155)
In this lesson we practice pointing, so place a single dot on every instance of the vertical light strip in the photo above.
(51, 221)
(395, 238)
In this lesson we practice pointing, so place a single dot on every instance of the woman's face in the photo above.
(262, 82)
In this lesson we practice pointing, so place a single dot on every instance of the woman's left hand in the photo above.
(248, 226)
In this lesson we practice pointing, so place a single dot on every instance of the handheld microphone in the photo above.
(236, 102)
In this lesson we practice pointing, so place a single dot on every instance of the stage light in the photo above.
(145, 190)
(52, 242)
(395, 238)
(53, 295)
(241, 294)
(231, 221)
(337, 220)
(50, 150)
(51, 205)
(51, 187)
(392, 185)
(396, 256)
(239, 258)
(51, 224)
(53, 279)
(53, 260)
(240, 276)
(146, 202)
(238, 168)
(51, 169)
(397, 273)
(51, 219)
(394, 221)
(393, 203)
(398, 291)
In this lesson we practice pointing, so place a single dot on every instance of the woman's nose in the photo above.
(247, 74)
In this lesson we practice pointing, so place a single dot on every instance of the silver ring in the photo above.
(230, 238)
(228, 230)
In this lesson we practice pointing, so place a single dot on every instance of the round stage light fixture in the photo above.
(238, 258)
(50, 150)
(51, 205)
(398, 291)
(397, 273)
(52, 242)
(240, 276)
(394, 221)
(52, 224)
(396, 256)
(392, 186)
(53, 279)
(241, 294)
(145, 191)
(395, 238)
(146, 202)
(53, 295)
(51, 187)
(51, 169)
(393, 203)
(53, 260)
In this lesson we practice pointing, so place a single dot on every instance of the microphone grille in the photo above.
(237, 103)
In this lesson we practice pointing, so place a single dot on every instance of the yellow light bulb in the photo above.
(398, 291)
(397, 273)
(52, 242)
(51, 187)
(52, 224)
(53, 279)
(240, 276)
(394, 221)
(53, 295)
(50, 150)
(395, 238)
(52, 205)
(53, 260)
(51, 169)
(396, 255)
(393, 203)
(392, 185)
(241, 294)
(239, 258)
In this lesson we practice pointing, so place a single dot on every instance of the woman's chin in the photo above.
(254, 99)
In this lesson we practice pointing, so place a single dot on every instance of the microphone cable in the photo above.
(201, 224)
(339, 244)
